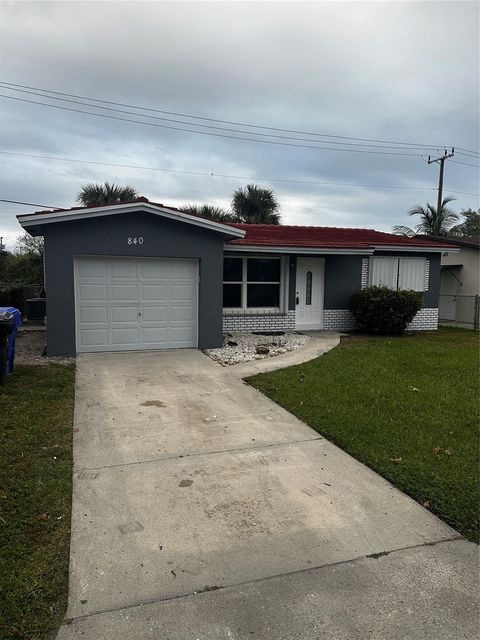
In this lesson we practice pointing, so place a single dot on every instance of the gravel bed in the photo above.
(30, 346)
(244, 347)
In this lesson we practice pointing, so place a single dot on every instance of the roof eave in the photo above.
(33, 221)
(296, 250)
(419, 248)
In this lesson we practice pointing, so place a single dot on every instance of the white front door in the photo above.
(125, 304)
(309, 293)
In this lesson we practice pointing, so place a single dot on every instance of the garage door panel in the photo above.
(154, 335)
(153, 292)
(93, 315)
(124, 292)
(181, 334)
(92, 292)
(153, 270)
(127, 304)
(181, 314)
(154, 313)
(92, 268)
(94, 337)
(124, 314)
(182, 270)
(124, 336)
(123, 269)
(182, 292)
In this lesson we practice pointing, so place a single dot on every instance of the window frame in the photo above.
(282, 284)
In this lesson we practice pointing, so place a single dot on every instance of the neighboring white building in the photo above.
(460, 282)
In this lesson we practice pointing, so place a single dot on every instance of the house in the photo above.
(460, 281)
(141, 275)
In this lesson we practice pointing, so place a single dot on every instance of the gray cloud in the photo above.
(391, 70)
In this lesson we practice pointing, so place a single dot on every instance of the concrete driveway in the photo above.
(202, 510)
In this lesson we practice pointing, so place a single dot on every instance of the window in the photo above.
(398, 273)
(308, 289)
(251, 283)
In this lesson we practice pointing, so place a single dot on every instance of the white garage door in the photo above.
(128, 303)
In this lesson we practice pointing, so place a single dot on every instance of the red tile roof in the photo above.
(268, 235)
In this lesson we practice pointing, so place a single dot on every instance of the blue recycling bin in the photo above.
(10, 320)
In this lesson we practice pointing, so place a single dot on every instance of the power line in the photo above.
(214, 175)
(477, 153)
(468, 164)
(209, 133)
(243, 124)
(467, 155)
(211, 174)
(30, 204)
(206, 126)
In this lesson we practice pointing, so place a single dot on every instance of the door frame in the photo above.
(79, 256)
(321, 284)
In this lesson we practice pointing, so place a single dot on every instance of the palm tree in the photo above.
(470, 227)
(209, 211)
(432, 222)
(94, 194)
(255, 205)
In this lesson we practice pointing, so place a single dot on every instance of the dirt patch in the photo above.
(30, 347)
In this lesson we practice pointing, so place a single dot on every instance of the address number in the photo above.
(135, 240)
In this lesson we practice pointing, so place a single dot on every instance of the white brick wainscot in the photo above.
(268, 321)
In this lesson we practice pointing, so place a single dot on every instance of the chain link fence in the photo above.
(459, 310)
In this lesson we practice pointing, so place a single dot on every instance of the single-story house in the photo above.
(141, 275)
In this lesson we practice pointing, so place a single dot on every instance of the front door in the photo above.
(309, 293)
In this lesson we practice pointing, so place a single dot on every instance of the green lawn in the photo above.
(408, 407)
(36, 411)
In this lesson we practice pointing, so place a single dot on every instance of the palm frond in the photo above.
(94, 194)
(255, 205)
(400, 230)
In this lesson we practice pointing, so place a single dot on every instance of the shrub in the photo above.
(384, 311)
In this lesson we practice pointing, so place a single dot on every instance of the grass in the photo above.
(35, 497)
(408, 407)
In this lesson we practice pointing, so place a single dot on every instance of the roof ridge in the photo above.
(305, 226)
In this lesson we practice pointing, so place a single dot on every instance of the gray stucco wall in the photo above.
(342, 279)
(108, 237)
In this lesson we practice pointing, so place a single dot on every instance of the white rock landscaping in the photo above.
(243, 347)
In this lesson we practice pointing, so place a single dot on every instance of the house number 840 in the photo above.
(135, 240)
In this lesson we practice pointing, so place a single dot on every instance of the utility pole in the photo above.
(441, 161)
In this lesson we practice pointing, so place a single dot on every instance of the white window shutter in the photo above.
(383, 272)
(411, 274)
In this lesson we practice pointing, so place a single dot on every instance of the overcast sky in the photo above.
(395, 71)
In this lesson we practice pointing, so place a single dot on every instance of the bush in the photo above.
(384, 311)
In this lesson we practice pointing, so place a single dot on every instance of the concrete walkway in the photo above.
(203, 510)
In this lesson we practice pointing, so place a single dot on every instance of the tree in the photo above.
(209, 211)
(94, 194)
(432, 222)
(25, 265)
(31, 245)
(255, 205)
(470, 226)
